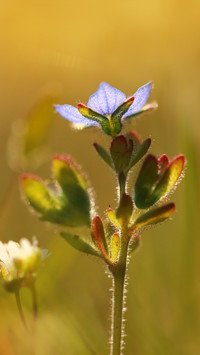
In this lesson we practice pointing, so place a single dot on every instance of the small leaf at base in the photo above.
(78, 243)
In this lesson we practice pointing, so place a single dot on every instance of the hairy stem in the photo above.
(19, 306)
(119, 274)
(122, 183)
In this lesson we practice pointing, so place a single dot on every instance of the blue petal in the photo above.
(106, 99)
(72, 114)
(141, 96)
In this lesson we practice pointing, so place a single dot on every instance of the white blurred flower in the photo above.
(19, 263)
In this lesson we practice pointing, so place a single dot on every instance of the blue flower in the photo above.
(108, 107)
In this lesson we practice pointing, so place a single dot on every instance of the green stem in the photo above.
(119, 274)
(122, 183)
(19, 305)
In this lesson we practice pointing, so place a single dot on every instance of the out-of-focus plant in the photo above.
(68, 201)
(19, 265)
(27, 144)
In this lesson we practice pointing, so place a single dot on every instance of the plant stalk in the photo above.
(122, 183)
(34, 304)
(119, 275)
(21, 313)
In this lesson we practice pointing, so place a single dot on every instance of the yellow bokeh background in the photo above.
(64, 49)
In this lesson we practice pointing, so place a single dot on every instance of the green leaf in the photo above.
(123, 108)
(140, 152)
(156, 179)
(121, 153)
(116, 116)
(155, 216)
(95, 116)
(38, 195)
(104, 155)
(73, 186)
(146, 179)
(67, 204)
(79, 243)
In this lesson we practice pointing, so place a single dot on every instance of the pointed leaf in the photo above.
(141, 151)
(73, 115)
(115, 247)
(95, 116)
(117, 115)
(123, 108)
(104, 155)
(79, 243)
(155, 216)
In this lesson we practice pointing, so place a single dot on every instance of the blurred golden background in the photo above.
(59, 52)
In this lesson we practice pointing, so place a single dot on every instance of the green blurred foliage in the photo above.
(73, 46)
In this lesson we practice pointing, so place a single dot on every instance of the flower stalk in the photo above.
(34, 301)
(19, 306)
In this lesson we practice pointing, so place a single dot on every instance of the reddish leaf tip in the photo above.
(173, 206)
(181, 157)
(130, 99)
(80, 105)
(95, 219)
(150, 157)
(26, 176)
(63, 157)
(163, 157)
(135, 134)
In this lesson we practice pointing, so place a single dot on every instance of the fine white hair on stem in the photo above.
(124, 309)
